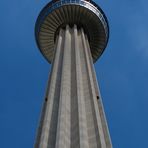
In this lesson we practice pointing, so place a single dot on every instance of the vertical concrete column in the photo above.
(83, 135)
(100, 103)
(93, 93)
(43, 141)
(63, 129)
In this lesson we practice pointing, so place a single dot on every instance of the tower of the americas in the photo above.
(72, 35)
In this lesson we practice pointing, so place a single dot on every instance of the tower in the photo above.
(72, 35)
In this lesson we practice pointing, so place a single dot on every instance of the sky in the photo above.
(122, 72)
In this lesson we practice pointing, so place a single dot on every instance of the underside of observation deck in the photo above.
(57, 14)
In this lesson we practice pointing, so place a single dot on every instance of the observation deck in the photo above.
(85, 14)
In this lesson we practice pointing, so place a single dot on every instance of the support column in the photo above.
(63, 129)
(83, 135)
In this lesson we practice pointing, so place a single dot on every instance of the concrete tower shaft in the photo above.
(73, 115)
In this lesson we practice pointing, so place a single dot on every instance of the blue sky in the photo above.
(122, 72)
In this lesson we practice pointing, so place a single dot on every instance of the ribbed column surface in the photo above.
(72, 115)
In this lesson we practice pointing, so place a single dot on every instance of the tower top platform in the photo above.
(59, 13)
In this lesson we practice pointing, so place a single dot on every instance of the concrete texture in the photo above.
(72, 114)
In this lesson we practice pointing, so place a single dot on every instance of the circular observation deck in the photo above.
(58, 13)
